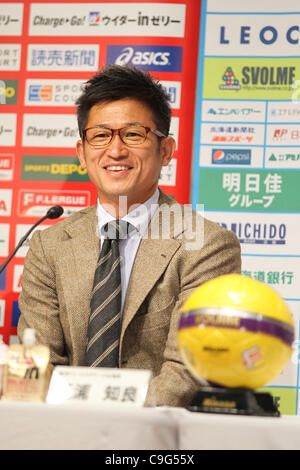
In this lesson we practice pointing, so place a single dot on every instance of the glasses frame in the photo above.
(117, 132)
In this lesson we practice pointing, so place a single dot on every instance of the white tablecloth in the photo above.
(224, 432)
(41, 426)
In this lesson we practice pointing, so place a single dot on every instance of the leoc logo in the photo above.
(160, 58)
(231, 156)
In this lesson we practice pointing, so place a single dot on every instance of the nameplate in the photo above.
(98, 386)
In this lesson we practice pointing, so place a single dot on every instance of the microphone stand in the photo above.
(52, 213)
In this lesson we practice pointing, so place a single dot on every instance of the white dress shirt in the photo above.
(139, 217)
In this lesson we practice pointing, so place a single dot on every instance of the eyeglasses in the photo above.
(99, 137)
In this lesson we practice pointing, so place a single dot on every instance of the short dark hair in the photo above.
(116, 82)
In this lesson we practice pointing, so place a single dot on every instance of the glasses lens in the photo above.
(133, 135)
(98, 136)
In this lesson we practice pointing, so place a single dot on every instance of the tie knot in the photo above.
(117, 229)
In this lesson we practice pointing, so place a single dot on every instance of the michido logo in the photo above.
(155, 58)
(258, 233)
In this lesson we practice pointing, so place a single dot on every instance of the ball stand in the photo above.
(234, 402)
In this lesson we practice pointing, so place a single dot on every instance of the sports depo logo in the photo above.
(8, 91)
(155, 58)
(231, 156)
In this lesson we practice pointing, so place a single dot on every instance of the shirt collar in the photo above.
(139, 216)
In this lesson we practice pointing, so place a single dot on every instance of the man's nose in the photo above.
(117, 148)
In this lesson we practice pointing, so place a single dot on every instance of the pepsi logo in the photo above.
(218, 155)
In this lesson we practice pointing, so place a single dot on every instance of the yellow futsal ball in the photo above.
(235, 332)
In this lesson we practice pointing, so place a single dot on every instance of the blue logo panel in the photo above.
(154, 58)
(15, 314)
(3, 280)
(231, 156)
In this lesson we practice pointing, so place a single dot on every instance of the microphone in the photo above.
(52, 213)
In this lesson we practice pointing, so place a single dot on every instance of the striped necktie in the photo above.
(104, 326)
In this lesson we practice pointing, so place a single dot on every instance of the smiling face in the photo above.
(120, 170)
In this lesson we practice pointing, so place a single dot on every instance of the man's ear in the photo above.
(167, 149)
(80, 153)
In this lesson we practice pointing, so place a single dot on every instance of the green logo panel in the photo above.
(40, 168)
(8, 91)
(285, 398)
(251, 78)
(249, 190)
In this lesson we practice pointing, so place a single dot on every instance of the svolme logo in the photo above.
(231, 156)
(230, 82)
(154, 58)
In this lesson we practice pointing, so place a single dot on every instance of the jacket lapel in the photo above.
(79, 254)
(154, 254)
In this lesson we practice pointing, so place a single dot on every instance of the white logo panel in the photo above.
(262, 233)
(49, 92)
(63, 57)
(107, 19)
(5, 202)
(282, 274)
(233, 111)
(4, 238)
(8, 123)
(50, 130)
(11, 19)
(10, 57)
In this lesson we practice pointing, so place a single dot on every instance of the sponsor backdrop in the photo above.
(246, 151)
(47, 50)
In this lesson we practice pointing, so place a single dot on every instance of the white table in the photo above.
(26, 426)
(40, 426)
(206, 431)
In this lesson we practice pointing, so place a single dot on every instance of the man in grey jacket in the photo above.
(124, 119)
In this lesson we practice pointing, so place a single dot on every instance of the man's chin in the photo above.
(114, 197)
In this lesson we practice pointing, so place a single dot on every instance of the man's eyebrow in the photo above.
(106, 126)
